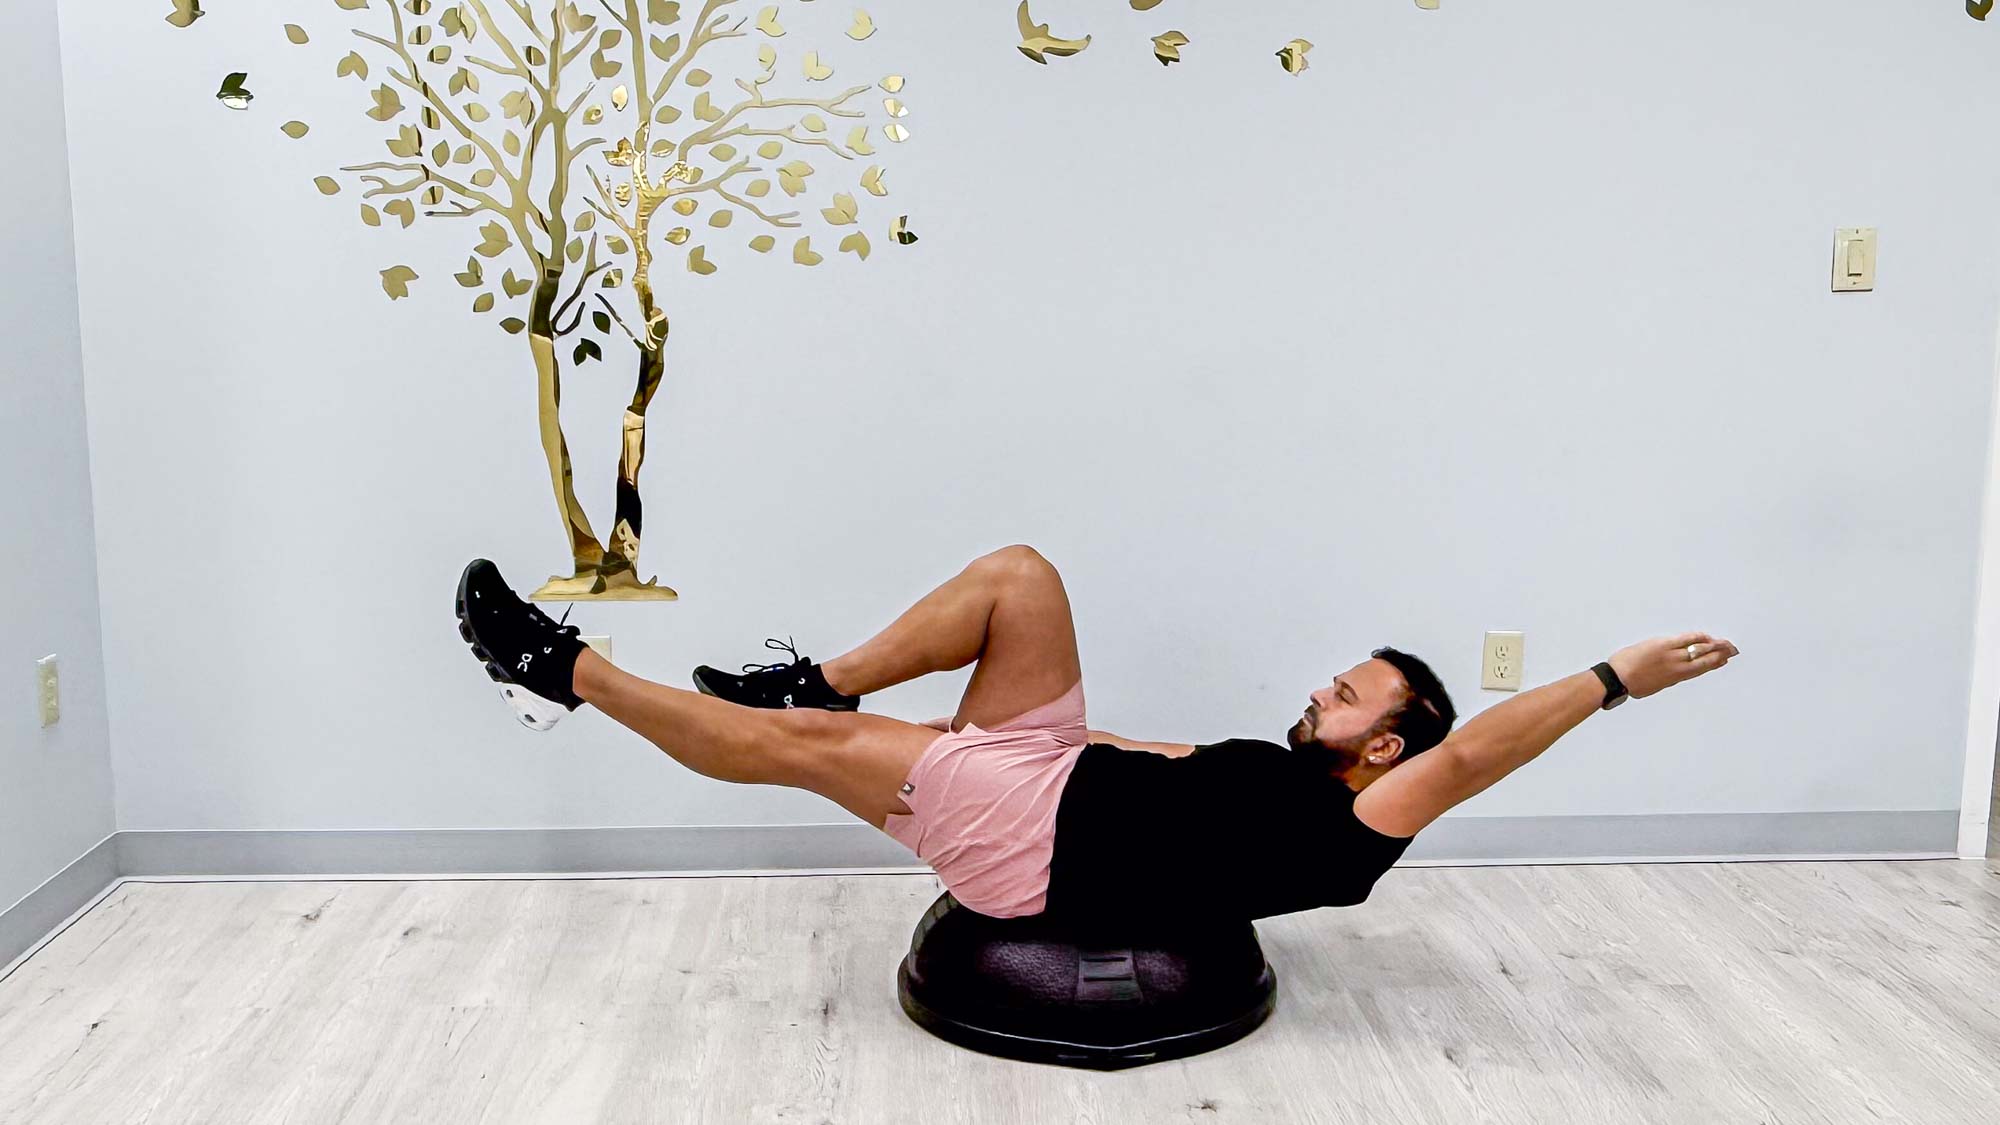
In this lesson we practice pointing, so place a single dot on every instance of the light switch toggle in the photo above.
(1854, 259)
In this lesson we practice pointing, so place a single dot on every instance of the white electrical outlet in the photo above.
(599, 645)
(1501, 666)
(48, 690)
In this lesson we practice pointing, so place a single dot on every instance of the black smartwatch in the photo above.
(1614, 688)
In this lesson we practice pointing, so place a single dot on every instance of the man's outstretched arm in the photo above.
(1508, 736)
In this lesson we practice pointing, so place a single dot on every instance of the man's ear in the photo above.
(1385, 749)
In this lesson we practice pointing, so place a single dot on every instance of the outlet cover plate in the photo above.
(48, 690)
(1500, 667)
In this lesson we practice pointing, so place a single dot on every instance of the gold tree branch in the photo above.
(758, 101)
(427, 173)
(521, 68)
(621, 320)
(591, 268)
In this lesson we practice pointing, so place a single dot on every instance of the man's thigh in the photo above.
(1030, 657)
(859, 762)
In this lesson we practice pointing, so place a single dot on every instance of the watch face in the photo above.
(1616, 702)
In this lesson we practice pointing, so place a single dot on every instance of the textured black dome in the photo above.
(1039, 989)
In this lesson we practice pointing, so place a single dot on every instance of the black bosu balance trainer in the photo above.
(1038, 989)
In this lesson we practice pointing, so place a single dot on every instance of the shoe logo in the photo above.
(788, 701)
(525, 658)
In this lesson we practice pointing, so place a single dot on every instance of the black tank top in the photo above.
(1237, 830)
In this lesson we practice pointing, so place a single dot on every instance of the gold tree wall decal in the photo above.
(564, 134)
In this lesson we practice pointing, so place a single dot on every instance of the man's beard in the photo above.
(1340, 755)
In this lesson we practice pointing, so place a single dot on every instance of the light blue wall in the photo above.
(1506, 316)
(55, 784)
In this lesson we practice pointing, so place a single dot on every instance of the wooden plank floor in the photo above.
(1687, 993)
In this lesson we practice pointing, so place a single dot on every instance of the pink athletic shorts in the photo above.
(983, 805)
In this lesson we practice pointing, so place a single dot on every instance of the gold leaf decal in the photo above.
(1292, 56)
(484, 177)
(792, 177)
(706, 109)
(620, 97)
(483, 303)
(893, 84)
(370, 216)
(758, 189)
(421, 36)
(1432, 5)
(463, 155)
(857, 141)
(517, 104)
(863, 26)
(767, 57)
(586, 350)
(623, 155)
(698, 261)
(842, 212)
(614, 279)
(387, 104)
(512, 325)
(894, 131)
(408, 142)
(396, 281)
(901, 232)
(476, 112)
(699, 77)
(434, 195)
(814, 123)
(593, 115)
(296, 34)
(453, 22)
(721, 218)
(512, 143)
(668, 114)
(185, 13)
(474, 275)
(295, 129)
(1979, 9)
(233, 93)
(352, 63)
(666, 48)
(771, 150)
(856, 244)
(767, 22)
(575, 251)
(536, 57)
(494, 241)
(440, 54)
(623, 192)
(815, 70)
(686, 205)
(1144, 5)
(441, 153)
(515, 286)
(663, 148)
(872, 181)
(723, 152)
(586, 221)
(895, 108)
(663, 12)
(1038, 44)
(763, 243)
(1167, 48)
(351, 5)
(327, 185)
(402, 210)
(803, 253)
(679, 236)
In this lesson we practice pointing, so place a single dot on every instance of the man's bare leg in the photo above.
(1006, 610)
(857, 761)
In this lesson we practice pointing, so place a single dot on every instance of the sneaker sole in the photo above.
(535, 712)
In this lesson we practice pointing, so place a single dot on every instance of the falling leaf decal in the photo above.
(512, 325)
(495, 240)
(396, 281)
(767, 22)
(857, 141)
(1038, 44)
(593, 115)
(1292, 56)
(620, 97)
(706, 109)
(843, 211)
(722, 218)
(771, 150)
(1144, 5)
(1431, 5)
(586, 350)
(474, 275)
(698, 261)
(803, 253)
(1979, 9)
(185, 13)
(792, 177)
(815, 70)
(686, 205)
(895, 108)
(295, 129)
(402, 210)
(234, 93)
(623, 155)
(297, 34)
(327, 185)
(483, 303)
(763, 243)
(370, 216)
(894, 131)
(352, 63)
(856, 244)
(901, 232)
(863, 26)
(893, 84)
(663, 12)
(1167, 48)
(408, 142)
(387, 104)
(515, 286)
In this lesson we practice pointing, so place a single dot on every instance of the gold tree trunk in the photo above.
(586, 553)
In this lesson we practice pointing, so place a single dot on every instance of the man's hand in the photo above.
(1651, 667)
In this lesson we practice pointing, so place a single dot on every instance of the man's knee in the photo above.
(1019, 563)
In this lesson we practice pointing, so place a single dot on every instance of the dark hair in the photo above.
(1426, 715)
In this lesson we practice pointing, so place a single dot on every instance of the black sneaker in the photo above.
(776, 686)
(532, 658)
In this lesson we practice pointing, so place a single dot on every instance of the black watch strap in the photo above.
(1614, 688)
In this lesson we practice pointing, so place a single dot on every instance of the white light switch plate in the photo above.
(1854, 259)
(1500, 668)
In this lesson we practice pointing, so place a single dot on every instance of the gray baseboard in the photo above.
(832, 848)
(24, 924)
(836, 847)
